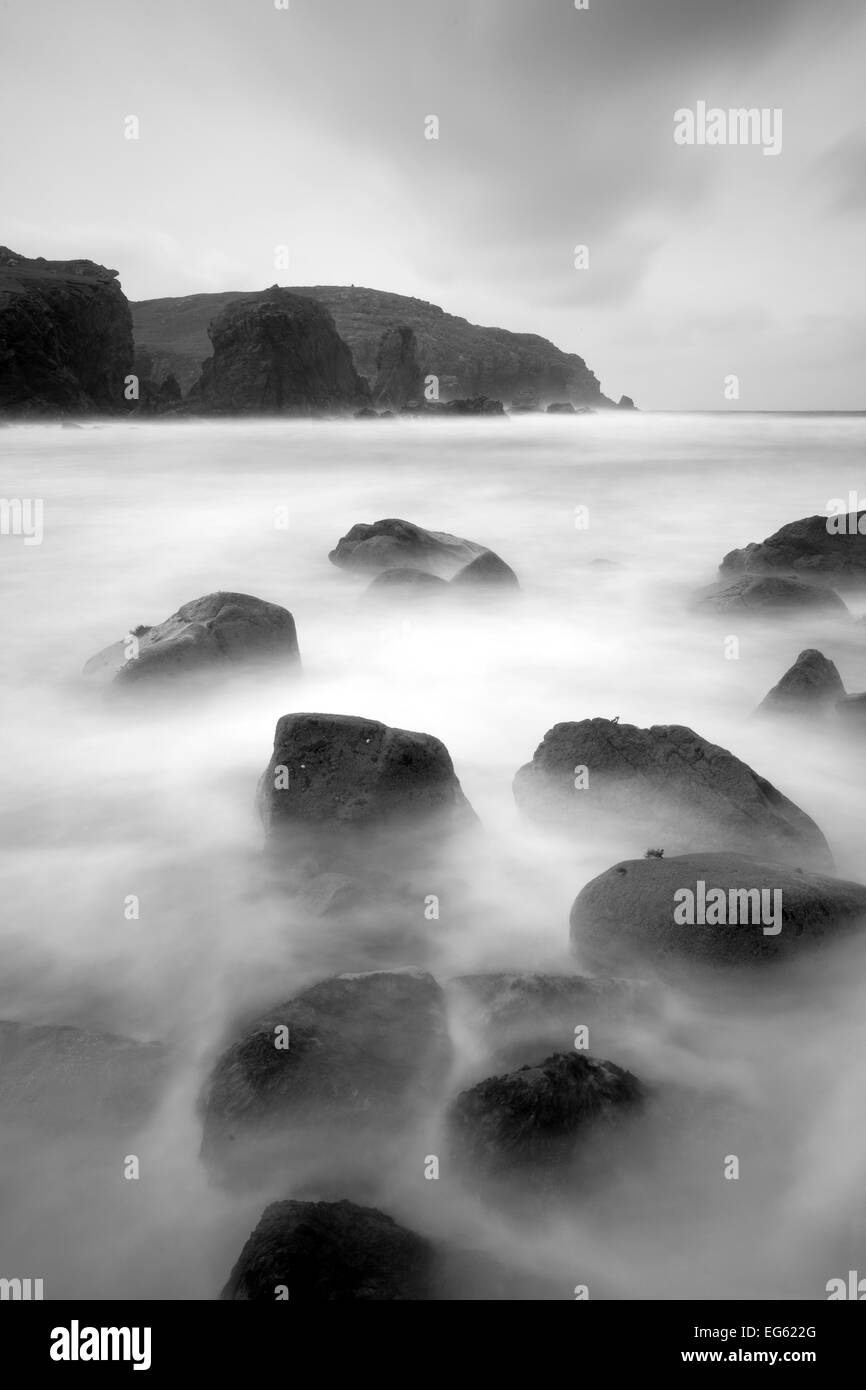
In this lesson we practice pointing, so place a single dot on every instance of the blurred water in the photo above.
(104, 801)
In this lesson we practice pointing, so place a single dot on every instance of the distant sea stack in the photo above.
(467, 360)
(65, 337)
(274, 354)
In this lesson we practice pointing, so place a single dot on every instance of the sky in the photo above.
(261, 128)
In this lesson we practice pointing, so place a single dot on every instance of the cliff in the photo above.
(65, 337)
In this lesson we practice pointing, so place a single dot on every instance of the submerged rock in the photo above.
(634, 915)
(770, 594)
(330, 1252)
(395, 544)
(487, 570)
(402, 579)
(821, 549)
(664, 785)
(217, 631)
(811, 685)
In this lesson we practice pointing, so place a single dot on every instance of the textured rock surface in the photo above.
(809, 550)
(468, 360)
(534, 1117)
(771, 594)
(624, 918)
(65, 337)
(395, 544)
(399, 377)
(277, 354)
(330, 1252)
(811, 685)
(664, 786)
(218, 631)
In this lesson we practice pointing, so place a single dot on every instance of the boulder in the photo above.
(277, 354)
(330, 1252)
(65, 337)
(356, 1054)
(811, 686)
(396, 544)
(534, 1118)
(488, 571)
(821, 549)
(217, 632)
(781, 597)
(662, 786)
(626, 918)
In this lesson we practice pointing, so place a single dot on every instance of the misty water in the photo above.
(103, 799)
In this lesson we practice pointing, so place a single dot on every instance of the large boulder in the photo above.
(534, 1118)
(358, 1054)
(636, 914)
(396, 544)
(772, 594)
(277, 354)
(821, 549)
(665, 786)
(811, 686)
(65, 337)
(330, 1252)
(220, 631)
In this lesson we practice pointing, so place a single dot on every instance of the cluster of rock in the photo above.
(403, 556)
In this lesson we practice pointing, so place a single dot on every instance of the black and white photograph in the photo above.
(433, 540)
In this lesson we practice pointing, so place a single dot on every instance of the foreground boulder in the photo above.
(636, 914)
(331, 1252)
(65, 337)
(218, 631)
(821, 549)
(756, 594)
(62, 1079)
(811, 686)
(359, 1054)
(277, 353)
(534, 1118)
(396, 544)
(662, 786)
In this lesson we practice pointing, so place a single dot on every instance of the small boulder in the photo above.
(812, 685)
(773, 594)
(487, 571)
(330, 1252)
(396, 544)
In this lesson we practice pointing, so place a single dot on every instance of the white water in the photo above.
(100, 803)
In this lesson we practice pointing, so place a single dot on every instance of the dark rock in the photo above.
(65, 337)
(487, 570)
(402, 579)
(399, 377)
(560, 408)
(626, 403)
(473, 405)
(396, 544)
(625, 917)
(770, 594)
(664, 785)
(821, 549)
(330, 1252)
(64, 1079)
(366, 1053)
(366, 413)
(534, 1118)
(279, 354)
(811, 685)
(221, 630)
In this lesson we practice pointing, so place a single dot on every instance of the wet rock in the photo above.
(218, 631)
(812, 685)
(821, 549)
(770, 594)
(534, 1118)
(330, 1252)
(662, 786)
(630, 917)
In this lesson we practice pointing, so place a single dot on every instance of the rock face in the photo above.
(364, 1053)
(468, 360)
(663, 786)
(399, 377)
(279, 354)
(625, 918)
(67, 1079)
(65, 337)
(533, 1118)
(218, 631)
(395, 544)
(821, 549)
(330, 1252)
(811, 685)
(756, 594)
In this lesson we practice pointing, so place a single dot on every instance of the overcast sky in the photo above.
(262, 127)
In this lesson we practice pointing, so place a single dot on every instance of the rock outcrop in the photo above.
(631, 916)
(65, 337)
(811, 686)
(399, 377)
(663, 786)
(755, 594)
(277, 354)
(218, 632)
(821, 549)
